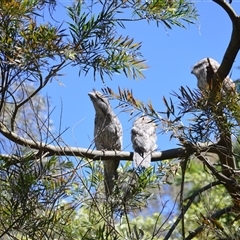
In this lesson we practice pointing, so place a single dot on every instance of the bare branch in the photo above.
(42, 83)
(52, 150)
(228, 8)
(234, 43)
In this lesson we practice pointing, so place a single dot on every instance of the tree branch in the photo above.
(190, 201)
(234, 44)
(49, 150)
(229, 182)
(228, 8)
(215, 215)
(52, 150)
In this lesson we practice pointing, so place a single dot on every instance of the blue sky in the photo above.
(170, 54)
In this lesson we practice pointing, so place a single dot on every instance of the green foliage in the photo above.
(31, 191)
(96, 46)
(236, 150)
(27, 52)
(170, 13)
(130, 103)
(207, 201)
(27, 46)
(205, 204)
(51, 197)
(93, 219)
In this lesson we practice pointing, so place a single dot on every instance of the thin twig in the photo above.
(191, 198)
(216, 215)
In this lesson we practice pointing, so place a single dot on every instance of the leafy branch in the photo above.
(95, 44)
(170, 13)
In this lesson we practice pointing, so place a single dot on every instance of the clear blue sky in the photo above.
(170, 55)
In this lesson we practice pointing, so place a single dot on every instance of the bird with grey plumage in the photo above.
(107, 136)
(204, 70)
(144, 138)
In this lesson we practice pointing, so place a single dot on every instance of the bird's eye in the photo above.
(100, 97)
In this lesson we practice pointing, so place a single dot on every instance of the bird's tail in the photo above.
(142, 159)
(110, 175)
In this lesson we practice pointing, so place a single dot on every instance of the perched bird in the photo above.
(204, 71)
(144, 137)
(107, 136)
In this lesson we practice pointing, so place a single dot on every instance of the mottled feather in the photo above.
(107, 136)
(144, 137)
(202, 70)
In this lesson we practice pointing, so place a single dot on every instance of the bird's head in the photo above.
(203, 70)
(100, 102)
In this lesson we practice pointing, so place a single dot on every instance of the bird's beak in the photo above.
(91, 95)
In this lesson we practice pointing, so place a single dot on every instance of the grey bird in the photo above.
(107, 136)
(202, 71)
(144, 137)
